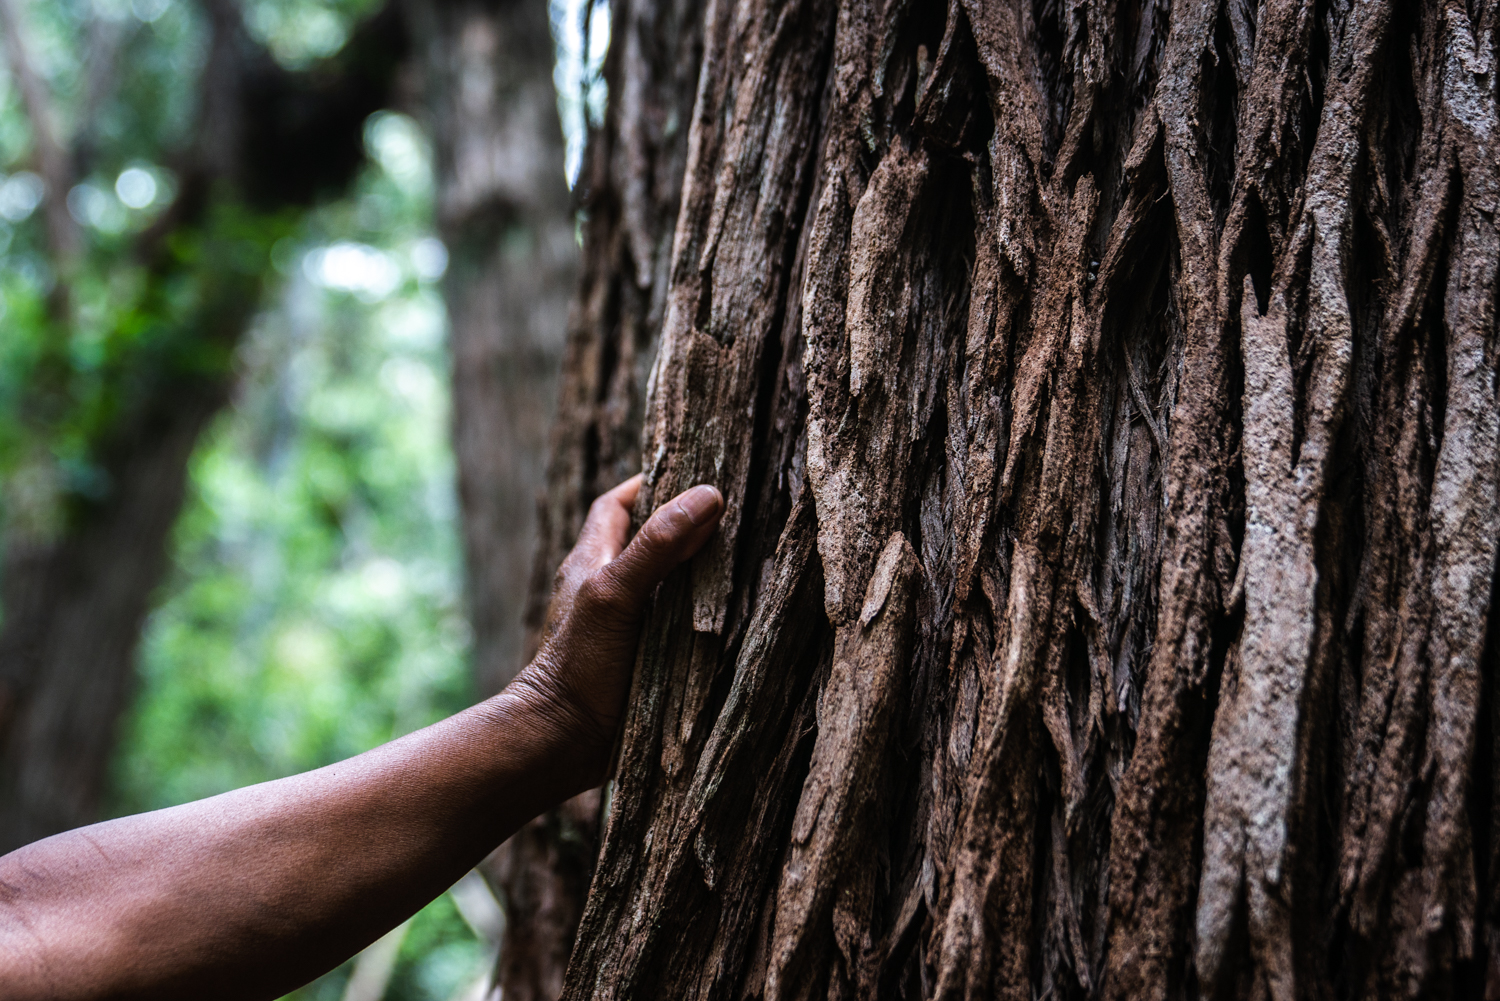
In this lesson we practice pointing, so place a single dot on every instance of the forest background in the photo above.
(312, 602)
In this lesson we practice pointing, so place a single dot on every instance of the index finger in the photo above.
(608, 525)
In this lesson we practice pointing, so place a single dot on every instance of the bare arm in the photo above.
(249, 894)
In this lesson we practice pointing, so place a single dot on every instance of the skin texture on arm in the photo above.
(252, 893)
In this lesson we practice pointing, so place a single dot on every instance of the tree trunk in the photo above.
(505, 214)
(77, 584)
(73, 612)
(1104, 395)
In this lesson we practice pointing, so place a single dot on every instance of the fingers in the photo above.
(626, 492)
(675, 532)
(608, 525)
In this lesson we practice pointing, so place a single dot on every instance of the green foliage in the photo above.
(298, 31)
(88, 334)
(437, 958)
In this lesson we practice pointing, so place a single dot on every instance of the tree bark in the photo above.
(1104, 395)
(77, 586)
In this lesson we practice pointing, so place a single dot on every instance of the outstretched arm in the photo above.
(249, 894)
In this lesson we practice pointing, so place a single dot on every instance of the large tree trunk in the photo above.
(1104, 395)
(80, 566)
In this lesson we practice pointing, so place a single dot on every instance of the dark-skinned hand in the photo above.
(581, 673)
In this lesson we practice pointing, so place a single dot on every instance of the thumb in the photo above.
(675, 532)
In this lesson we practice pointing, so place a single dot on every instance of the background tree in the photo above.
(505, 213)
(1104, 397)
(506, 216)
(121, 337)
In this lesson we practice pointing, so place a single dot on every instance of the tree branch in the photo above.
(51, 159)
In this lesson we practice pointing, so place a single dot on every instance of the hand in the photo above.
(581, 674)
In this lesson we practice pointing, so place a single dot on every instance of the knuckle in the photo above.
(566, 581)
(600, 507)
(596, 594)
(656, 534)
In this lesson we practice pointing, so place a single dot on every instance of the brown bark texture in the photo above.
(1104, 393)
(75, 595)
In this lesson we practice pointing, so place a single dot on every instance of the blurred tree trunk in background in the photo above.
(506, 216)
(83, 556)
(1105, 399)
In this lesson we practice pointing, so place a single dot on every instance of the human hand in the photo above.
(580, 676)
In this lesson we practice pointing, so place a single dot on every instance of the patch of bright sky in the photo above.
(298, 32)
(372, 274)
(582, 38)
(107, 207)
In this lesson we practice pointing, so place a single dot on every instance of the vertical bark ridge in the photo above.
(825, 901)
(1465, 519)
(745, 171)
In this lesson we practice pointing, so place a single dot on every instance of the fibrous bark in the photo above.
(1104, 396)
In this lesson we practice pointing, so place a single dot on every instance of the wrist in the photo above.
(557, 742)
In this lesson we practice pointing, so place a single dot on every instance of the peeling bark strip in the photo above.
(825, 901)
(1107, 398)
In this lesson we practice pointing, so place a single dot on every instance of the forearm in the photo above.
(251, 893)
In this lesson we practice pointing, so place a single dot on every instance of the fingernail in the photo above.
(701, 503)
